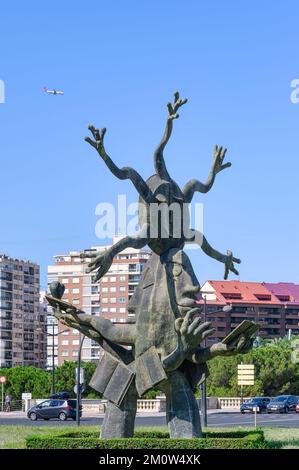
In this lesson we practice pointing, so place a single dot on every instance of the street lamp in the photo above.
(53, 335)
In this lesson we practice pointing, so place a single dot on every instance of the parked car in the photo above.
(259, 402)
(282, 404)
(297, 408)
(61, 395)
(49, 409)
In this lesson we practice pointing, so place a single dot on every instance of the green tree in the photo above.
(22, 379)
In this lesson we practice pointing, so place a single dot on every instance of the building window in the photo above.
(64, 353)
(113, 300)
(112, 279)
(74, 353)
(65, 333)
(76, 301)
(75, 332)
(122, 310)
(112, 310)
(112, 289)
(65, 281)
(76, 291)
(66, 291)
(122, 300)
(75, 342)
(122, 278)
(122, 289)
(104, 310)
(65, 342)
(104, 300)
(104, 279)
(76, 280)
(104, 289)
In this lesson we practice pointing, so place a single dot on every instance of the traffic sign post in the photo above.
(2, 381)
(26, 397)
(245, 376)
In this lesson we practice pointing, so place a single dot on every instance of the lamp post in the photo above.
(203, 385)
(53, 335)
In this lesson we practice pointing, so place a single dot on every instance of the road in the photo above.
(220, 419)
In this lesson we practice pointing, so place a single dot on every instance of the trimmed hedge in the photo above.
(150, 440)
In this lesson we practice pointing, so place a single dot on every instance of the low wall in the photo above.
(157, 405)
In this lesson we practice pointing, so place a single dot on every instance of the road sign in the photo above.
(82, 388)
(245, 374)
(82, 374)
(2, 379)
(26, 396)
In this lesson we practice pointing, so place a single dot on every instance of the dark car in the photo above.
(50, 409)
(61, 395)
(282, 404)
(259, 402)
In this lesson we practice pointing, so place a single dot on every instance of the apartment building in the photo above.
(109, 297)
(22, 323)
(274, 306)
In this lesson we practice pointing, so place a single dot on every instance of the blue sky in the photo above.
(119, 63)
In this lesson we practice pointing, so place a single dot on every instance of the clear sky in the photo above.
(119, 63)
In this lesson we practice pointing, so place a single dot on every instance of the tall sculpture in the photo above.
(162, 348)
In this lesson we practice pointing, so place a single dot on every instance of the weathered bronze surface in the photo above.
(165, 340)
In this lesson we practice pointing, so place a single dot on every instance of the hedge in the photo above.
(150, 440)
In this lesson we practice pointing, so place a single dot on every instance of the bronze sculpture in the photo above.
(165, 338)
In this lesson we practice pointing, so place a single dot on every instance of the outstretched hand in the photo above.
(101, 263)
(241, 346)
(219, 156)
(98, 135)
(173, 107)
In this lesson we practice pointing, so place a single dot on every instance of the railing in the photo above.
(230, 402)
(16, 405)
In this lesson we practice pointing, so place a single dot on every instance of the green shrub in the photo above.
(149, 440)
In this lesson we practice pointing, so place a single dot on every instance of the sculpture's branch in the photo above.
(228, 260)
(121, 173)
(217, 165)
(159, 162)
(103, 260)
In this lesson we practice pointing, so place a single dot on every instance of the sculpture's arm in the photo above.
(228, 260)
(121, 173)
(190, 334)
(98, 328)
(159, 162)
(201, 355)
(102, 261)
(194, 185)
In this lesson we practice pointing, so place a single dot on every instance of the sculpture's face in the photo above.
(181, 281)
(168, 283)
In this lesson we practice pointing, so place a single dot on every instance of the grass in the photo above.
(13, 437)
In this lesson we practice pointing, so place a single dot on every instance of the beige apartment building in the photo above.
(109, 297)
(22, 322)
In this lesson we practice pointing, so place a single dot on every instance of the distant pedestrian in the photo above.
(8, 400)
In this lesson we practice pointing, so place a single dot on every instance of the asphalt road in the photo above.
(230, 419)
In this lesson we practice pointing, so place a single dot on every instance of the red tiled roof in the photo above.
(254, 292)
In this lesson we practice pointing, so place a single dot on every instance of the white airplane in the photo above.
(53, 92)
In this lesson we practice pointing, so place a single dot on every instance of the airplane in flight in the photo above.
(53, 92)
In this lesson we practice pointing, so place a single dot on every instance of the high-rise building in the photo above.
(109, 297)
(275, 307)
(22, 322)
